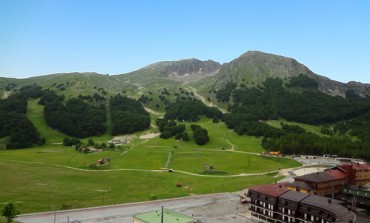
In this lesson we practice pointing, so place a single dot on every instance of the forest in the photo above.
(75, 118)
(16, 130)
(344, 120)
(128, 115)
(190, 110)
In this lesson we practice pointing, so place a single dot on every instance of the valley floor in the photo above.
(215, 208)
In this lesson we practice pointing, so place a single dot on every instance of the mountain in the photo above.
(184, 71)
(251, 68)
(70, 84)
(254, 67)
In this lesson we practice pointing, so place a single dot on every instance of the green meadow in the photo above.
(309, 128)
(55, 177)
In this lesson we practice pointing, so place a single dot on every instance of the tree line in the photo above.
(16, 130)
(190, 110)
(128, 115)
(75, 118)
(300, 101)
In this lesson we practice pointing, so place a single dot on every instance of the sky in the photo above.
(41, 37)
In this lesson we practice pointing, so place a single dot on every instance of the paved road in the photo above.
(215, 208)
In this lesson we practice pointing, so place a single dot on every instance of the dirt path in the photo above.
(149, 135)
(232, 145)
(143, 170)
(6, 94)
(200, 97)
(157, 113)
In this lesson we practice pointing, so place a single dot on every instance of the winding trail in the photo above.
(144, 170)
(206, 102)
(232, 145)
(157, 113)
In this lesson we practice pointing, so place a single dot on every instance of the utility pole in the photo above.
(353, 203)
(162, 214)
(55, 215)
(49, 201)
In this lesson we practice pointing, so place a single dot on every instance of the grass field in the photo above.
(307, 127)
(3, 220)
(54, 177)
(37, 187)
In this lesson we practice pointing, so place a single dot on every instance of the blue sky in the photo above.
(41, 37)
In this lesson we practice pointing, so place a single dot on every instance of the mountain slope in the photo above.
(70, 84)
(183, 71)
(251, 69)
(254, 67)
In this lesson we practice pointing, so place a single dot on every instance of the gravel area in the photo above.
(214, 208)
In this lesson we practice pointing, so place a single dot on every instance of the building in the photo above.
(117, 142)
(358, 173)
(274, 153)
(275, 203)
(264, 200)
(325, 183)
(357, 196)
(165, 216)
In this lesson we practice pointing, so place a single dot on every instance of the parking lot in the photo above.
(215, 208)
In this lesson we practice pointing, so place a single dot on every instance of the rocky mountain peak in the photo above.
(193, 67)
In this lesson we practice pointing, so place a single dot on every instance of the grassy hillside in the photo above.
(54, 177)
(74, 84)
(35, 115)
(309, 128)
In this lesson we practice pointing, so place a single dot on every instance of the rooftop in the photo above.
(294, 196)
(274, 190)
(342, 213)
(301, 185)
(318, 177)
(358, 166)
(355, 166)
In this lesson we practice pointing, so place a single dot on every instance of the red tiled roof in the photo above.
(274, 190)
(337, 174)
(364, 166)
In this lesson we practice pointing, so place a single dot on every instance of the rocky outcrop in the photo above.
(193, 66)
(187, 70)
(191, 70)
(336, 88)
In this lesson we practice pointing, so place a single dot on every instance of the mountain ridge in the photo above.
(250, 68)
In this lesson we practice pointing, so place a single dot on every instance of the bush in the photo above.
(200, 135)
(71, 141)
(9, 212)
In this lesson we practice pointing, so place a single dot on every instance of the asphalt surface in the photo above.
(215, 208)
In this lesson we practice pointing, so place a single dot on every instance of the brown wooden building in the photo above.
(325, 183)
(274, 203)
(358, 173)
